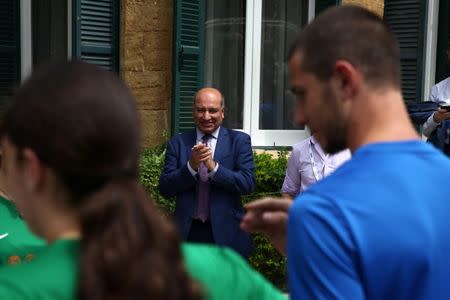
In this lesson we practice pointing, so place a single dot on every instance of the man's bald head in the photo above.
(208, 110)
(210, 92)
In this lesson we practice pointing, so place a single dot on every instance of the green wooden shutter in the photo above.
(9, 49)
(321, 5)
(442, 66)
(406, 18)
(189, 32)
(96, 32)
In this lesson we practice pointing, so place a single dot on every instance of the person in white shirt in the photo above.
(308, 164)
(440, 94)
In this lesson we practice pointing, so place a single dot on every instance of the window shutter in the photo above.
(321, 5)
(96, 32)
(406, 18)
(442, 67)
(188, 60)
(9, 49)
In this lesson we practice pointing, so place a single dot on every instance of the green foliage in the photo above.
(150, 168)
(269, 262)
(269, 173)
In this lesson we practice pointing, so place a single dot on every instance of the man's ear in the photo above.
(34, 170)
(347, 79)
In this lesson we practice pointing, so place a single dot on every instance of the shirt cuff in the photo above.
(433, 121)
(429, 126)
(192, 171)
(213, 172)
(289, 187)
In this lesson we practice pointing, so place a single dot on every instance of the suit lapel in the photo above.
(221, 146)
(190, 142)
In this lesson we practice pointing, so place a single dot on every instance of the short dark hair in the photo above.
(353, 34)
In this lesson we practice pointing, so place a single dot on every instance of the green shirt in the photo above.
(17, 243)
(226, 275)
(53, 276)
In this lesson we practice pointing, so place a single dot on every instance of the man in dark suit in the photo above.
(208, 169)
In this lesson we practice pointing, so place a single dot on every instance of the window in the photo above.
(49, 30)
(407, 20)
(9, 49)
(34, 32)
(268, 118)
(423, 30)
(280, 24)
(225, 55)
(96, 32)
(442, 65)
(240, 47)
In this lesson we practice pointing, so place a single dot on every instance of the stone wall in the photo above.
(376, 6)
(146, 62)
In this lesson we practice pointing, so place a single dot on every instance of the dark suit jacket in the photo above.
(234, 177)
(419, 114)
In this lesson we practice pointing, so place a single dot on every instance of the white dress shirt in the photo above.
(440, 94)
(308, 164)
(212, 142)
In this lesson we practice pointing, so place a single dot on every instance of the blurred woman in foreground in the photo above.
(71, 149)
(17, 244)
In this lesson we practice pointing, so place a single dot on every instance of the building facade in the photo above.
(166, 49)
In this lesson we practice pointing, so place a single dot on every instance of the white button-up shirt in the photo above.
(308, 164)
(440, 94)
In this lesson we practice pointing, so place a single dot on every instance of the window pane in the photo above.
(224, 55)
(49, 25)
(281, 21)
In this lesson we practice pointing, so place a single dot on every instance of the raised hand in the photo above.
(269, 217)
(441, 115)
(200, 154)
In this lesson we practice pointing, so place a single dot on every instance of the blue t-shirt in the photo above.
(377, 228)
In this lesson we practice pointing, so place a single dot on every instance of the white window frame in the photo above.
(431, 36)
(26, 55)
(26, 58)
(252, 81)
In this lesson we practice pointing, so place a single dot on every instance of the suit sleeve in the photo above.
(241, 179)
(174, 179)
(321, 252)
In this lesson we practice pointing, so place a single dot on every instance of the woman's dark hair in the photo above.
(82, 123)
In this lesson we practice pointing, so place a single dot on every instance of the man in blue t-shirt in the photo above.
(377, 227)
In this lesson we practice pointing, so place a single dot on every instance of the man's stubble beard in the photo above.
(335, 127)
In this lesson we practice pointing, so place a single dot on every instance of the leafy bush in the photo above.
(150, 168)
(269, 174)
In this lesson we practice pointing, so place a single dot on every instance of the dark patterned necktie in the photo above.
(203, 187)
